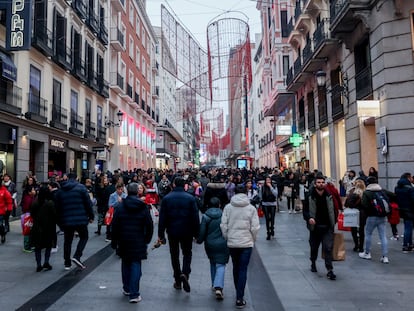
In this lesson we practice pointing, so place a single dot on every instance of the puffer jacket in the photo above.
(405, 198)
(132, 229)
(6, 202)
(210, 233)
(369, 195)
(239, 222)
(313, 207)
(73, 204)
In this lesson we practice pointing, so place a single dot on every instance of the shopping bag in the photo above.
(351, 217)
(338, 249)
(394, 217)
(154, 214)
(27, 223)
(341, 226)
(109, 215)
(260, 212)
(287, 191)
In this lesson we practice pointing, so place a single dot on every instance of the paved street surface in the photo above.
(279, 277)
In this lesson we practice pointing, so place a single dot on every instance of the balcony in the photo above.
(59, 118)
(156, 92)
(11, 100)
(103, 34)
(90, 130)
(37, 109)
(81, 9)
(155, 67)
(346, 16)
(63, 56)
(76, 124)
(118, 5)
(116, 83)
(103, 87)
(43, 39)
(79, 69)
(117, 39)
(93, 21)
(101, 134)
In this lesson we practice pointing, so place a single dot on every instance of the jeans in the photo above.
(322, 235)
(379, 223)
(408, 232)
(240, 258)
(269, 213)
(186, 244)
(69, 232)
(131, 275)
(217, 274)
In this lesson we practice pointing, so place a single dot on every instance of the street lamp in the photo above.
(341, 89)
(109, 123)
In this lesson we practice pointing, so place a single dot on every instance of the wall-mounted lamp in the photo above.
(25, 134)
(109, 123)
(341, 89)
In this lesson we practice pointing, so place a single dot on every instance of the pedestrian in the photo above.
(239, 226)
(6, 207)
(293, 184)
(215, 245)
(371, 198)
(103, 191)
(405, 198)
(216, 188)
(114, 200)
(43, 231)
(74, 212)
(268, 195)
(132, 230)
(53, 188)
(179, 217)
(321, 223)
(28, 197)
(11, 187)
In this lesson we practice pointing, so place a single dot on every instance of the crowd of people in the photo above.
(229, 201)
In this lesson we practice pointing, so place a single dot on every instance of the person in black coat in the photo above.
(179, 217)
(74, 212)
(132, 230)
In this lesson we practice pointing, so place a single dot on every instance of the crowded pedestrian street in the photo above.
(279, 277)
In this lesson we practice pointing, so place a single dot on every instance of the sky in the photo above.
(195, 15)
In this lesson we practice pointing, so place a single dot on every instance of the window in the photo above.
(138, 57)
(131, 13)
(137, 27)
(35, 78)
(131, 47)
(57, 100)
(285, 64)
(284, 24)
(99, 116)
(73, 109)
(143, 67)
(87, 113)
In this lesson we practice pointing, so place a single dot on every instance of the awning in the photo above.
(8, 68)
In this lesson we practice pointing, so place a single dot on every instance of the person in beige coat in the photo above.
(239, 226)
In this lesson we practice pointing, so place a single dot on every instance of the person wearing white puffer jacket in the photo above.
(239, 226)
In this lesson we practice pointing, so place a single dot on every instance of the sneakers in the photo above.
(27, 250)
(186, 285)
(68, 267)
(125, 292)
(394, 238)
(385, 260)
(219, 294)
(79, 263)
(107, 240)
(240, 304)
(135, 300)
(47, 267)
(39, 268)
(54, 249)
(330, 275)
(365, 255)
(407, 249)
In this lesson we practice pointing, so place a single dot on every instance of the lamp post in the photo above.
(320, 76)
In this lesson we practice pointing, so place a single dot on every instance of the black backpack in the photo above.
(381, 204)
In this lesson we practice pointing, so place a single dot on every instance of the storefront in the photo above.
(81, 158)
(8, 149)
(57, 156)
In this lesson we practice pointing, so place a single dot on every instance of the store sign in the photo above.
(285, 130)
(296, 139)
(57, 143)
(18, 24)
(84, 147)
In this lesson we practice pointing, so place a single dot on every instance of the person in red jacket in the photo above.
(6, 206)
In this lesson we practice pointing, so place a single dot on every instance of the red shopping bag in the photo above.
(27, 223)
(394, 217)
(341, 223)
(109, 215)
(260, 212)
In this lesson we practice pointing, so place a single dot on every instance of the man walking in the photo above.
(405, 198)
(132, 230)
(179, 217)
(74, 211)
(321, 224)
(240, 225)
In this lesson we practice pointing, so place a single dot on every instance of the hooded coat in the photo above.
(239, 222)
(132, 229)
(73, 204)
(369, 195)
(210, 233)
(405, 198)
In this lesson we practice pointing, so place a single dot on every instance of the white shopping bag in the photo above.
(351, 217)
(154, 214)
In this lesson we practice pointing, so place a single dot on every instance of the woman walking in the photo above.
(268, 196)
(215, 245)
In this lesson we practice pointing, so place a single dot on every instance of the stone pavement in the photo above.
(279, 277)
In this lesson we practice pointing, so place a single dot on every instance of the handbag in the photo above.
(260, 212)
(341, 226)
(109, 215)
(338, 249)
(287, 191)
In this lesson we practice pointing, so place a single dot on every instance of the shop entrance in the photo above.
(56, 163)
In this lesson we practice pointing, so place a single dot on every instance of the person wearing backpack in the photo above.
(375, 204)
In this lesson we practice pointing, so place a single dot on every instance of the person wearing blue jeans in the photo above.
(379, 223)
(215, 245)
(239, 226)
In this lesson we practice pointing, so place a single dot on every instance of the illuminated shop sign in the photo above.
(18, 24)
